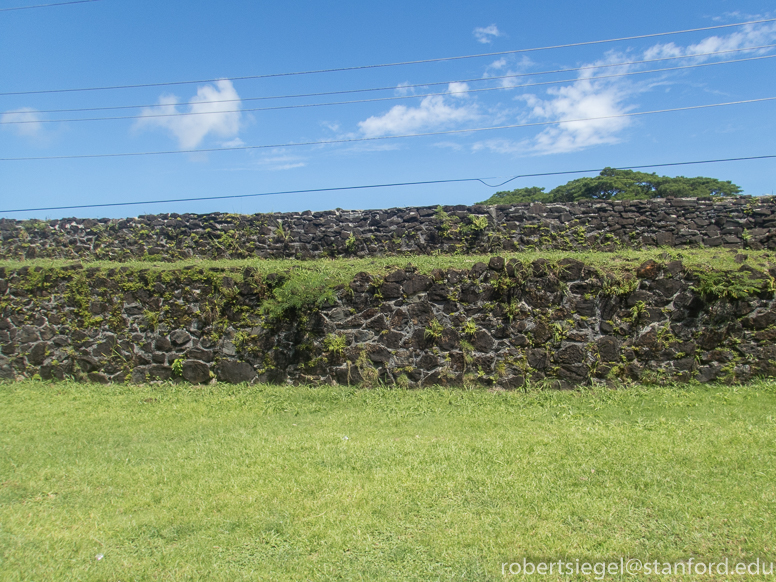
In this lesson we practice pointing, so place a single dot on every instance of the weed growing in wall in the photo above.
(434, 330)
(302, 290)
(335, 343)
(736, 285)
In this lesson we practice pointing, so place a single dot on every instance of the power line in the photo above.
(372, 186)
(430, 84)
(384, 137)
(47, 5)
(373, 100)
(376, 99)
(396, 64)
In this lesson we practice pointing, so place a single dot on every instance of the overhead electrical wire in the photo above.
(372, 100)
(47, 5)
(383, 137)
(373, 186)
(395, 64)
(474, 80)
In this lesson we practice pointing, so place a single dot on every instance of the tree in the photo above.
(621, 185)
(532, 194)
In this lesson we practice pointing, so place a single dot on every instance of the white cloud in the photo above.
(433, 112)
(458, 89)
(591, 97)
(279, 163)
(25, 122)
(582, 100)
(450, 145)
(502, 146)
(662, 51)
(233, 143)
(486, 34)
(586, 98)
(332, 126)
(222, 119)
(403, 89)
(509, 68)
(279, 159)
(746, 36)
(370, 147)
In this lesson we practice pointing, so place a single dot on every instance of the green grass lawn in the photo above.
(174, 482)
(342, 270)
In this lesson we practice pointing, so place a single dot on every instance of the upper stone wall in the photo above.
(606, 225)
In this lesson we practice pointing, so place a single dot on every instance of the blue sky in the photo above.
(125, 42)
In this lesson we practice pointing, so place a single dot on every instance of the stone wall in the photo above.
(508, 324)
(740, 222)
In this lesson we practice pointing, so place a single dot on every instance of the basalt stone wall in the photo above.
(740, 222)
(507, 324)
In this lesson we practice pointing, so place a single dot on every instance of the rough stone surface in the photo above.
(648, 270)
(550, 324)
(742, 222)
(235, 372)
(195, 372)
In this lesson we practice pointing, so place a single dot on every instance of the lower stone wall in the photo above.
(506, 324)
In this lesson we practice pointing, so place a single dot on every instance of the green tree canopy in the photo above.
(620, 185)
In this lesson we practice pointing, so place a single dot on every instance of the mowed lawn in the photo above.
(173, 482)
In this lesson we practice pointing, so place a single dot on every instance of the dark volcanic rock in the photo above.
(235, 372)
(416, 284)
(648, 270)
(195, 372)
